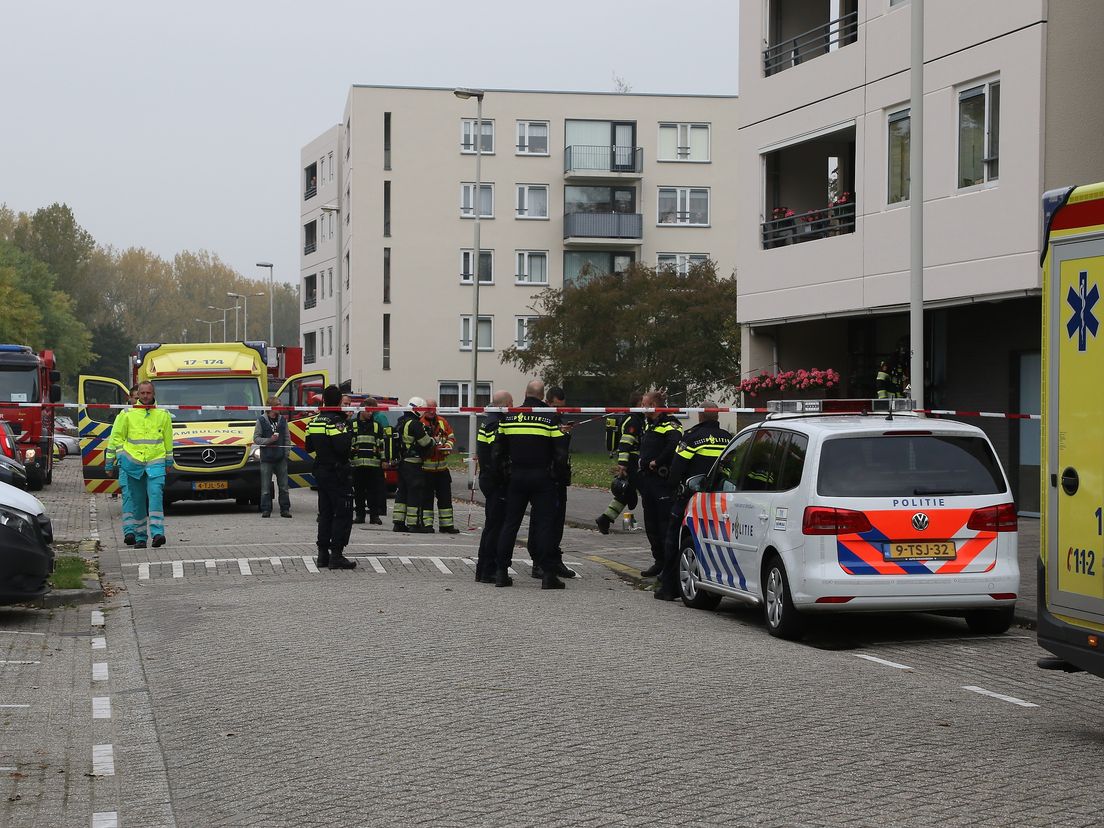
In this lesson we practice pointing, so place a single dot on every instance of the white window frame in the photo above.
(463, 389)
(522, 264)
(331, 167)
(522, 132)
(465, 328)
(521, 331)
(322, 173)
(466, 254)
(891, 116)
(683, 261)
(467, 190)
(467, 129)
(521, 204)
(682, 198)
(688, 126)
(986, 85)
(310, 352)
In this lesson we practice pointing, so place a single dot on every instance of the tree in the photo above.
(638, 329)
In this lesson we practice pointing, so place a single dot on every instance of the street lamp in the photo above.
(271, 293)
(210, 325)
(245, 313)
(339, 316)
(465, 94)
(223, 311)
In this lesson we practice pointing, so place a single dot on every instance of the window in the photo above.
(310, 237)
(532, 137)
(331, 217)
(532, 201)
(759, 472)
(486, 333)
(532, 267)
(329, 278)
(347, 271)
(486, 200)
(599, 199)
(683, 142)
(387, 342)
(386, 208)
(387, 140)
(310, 181)
(309, 352)
(346, 329)
(387, 275)
(322, 285)
(684, 205)
(322, 167)
(310, 291)
(727, 472)
(900, 128)
(467, 136)
(681, 262)
(978, 134)
(792, 449)
(486, 266)
(452, 394)
(521, 331)
(329, 339)
(331, 167)
(580, 265)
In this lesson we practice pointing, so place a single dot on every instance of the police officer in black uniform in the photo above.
(492, 483)
(657, 450)
(535, 448)
(696, 453)
(629, 430)
(331, 446)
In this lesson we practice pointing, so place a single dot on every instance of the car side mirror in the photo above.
(55, 377)
(696, 483)
(727, 486)
(55, 393)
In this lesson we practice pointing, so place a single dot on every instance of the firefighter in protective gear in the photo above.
(438, 478)
(414, 445)
(696, 453)
(657, 451)
(369, 447)
(331, 444)
(492, 483)
(628, 454)
(141, 445)
(883, 382)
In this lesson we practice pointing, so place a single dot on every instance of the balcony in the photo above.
(310, 181)
(310, 193)
(796, 36)
(310, 247)
(603, 228)
(310, 301)
(834, 220)
(583, 161)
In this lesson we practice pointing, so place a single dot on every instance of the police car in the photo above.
(852, 505)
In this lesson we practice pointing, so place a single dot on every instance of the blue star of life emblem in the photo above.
(1083, 319)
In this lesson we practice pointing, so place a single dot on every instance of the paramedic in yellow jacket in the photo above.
(141, 443)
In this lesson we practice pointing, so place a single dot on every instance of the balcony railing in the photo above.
(603, 225)
(590, 159)
(310, 247)
(836, 220)
(308, 357)
(310, 302)
(813, 43)
(310, 192)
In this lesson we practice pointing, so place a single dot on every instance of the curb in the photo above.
(63, 597)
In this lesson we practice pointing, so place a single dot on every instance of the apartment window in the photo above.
(532, 137)
(310, 237)
(310, 181)
(387, 140)
(521, 331)
(532, 201)
(310, 291)
(900, 128)
(310, 353)
(581, 265)
(331, 222)
(387, 342)
(467, 136)
(348, 137)
(386, 208)
(486, 266)
(486, 200)
(681, 262)
(485, 333)
(453, 394)
(387, 275)
(532, 267)
(329, 339)
(329, 278)
(684, 205)
(599, 199)
(322, 285)
(683, 142)
(322, 166)
(347, 271)
(331, 167)
(978, 134)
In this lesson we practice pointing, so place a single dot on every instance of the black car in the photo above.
(26, 558)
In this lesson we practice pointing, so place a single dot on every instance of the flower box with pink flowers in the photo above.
(800, 383)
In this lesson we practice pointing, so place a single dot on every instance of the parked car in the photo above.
(26, 557)
(70, 445)
(65, 425)
(13, 472)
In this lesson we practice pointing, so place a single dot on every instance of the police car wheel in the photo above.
(783, 620)
(693, 595)
(990, 622)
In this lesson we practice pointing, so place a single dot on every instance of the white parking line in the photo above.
(99, 643)
(437, 562)
(14, 706)
(105, 819)
(101, 707)
(404, 560)
(375, 564)
(143, 572)
(243, 567)
(97, 618)
(309, 563)
(178, 569)
(210, 564)
(1011, 699)
(276, 562)
(882, 661)
(6, 769)
(103, 760)
(3, 661)
(19, 632)
(99, 671)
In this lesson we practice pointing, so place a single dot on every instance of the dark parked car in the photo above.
(12, 470)
(26, 558)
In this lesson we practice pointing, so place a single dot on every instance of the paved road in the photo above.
(246, 689)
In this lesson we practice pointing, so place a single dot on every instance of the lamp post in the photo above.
(338, 310)
(271, 294)
(210, 326)
(245, 313)
(465, 94)
(223, 311)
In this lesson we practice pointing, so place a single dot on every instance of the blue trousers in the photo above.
(143, 497)
(128, 517)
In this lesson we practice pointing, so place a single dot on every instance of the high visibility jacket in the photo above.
(414, 444)
(659, 442)
(369, 442)
(698, 450)
(142, 435)
(532, 441)
(328, 441)
(444, 442)
(484, 450)
(884, 385)
(613, 431)
(628, 443)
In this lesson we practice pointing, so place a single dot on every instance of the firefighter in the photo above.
(368, 448)
(142, 445)
(657, 450)
(883, 382)
(438, 478)
(630, 427)
(696, 453)
(414, 445)
(331, 444)
(492, 483)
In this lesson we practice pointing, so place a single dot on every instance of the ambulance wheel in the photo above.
(990, 622)
(783, 620)
(689, 577)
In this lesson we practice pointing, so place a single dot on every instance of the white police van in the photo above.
(852, 505)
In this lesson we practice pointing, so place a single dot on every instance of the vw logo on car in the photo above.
(920, 521)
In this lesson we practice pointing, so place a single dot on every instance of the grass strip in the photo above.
(69, 572)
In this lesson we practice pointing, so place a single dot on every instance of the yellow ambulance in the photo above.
(1071, 559)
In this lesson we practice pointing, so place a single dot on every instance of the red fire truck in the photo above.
(27, 377)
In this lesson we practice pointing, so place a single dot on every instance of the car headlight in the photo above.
(255, 455)
(21, 522)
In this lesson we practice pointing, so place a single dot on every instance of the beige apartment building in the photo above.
(568, 180)
(822, 228)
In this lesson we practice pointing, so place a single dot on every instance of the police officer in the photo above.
(629, 429)
(696, 453)
(657, 450)
(368, 448)
(331, 445)
(438, 478)
(492, 483)
(414, 446)
(536, 450)
(555, 398)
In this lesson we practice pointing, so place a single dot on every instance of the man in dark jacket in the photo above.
(492, 483)
(331, 445)
(368, 449)
(271, 434)
(657, 450)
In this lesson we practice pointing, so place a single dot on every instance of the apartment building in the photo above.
(568, 180)
(823, 226)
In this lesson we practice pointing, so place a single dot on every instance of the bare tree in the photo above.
(620, 85)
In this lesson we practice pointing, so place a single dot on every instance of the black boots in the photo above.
(503, 579)
(339, 561)
(652, 570)
(128, 539)
(550, 581)
(359, 518)
(376, 521)
(604, 524)
(158, 540)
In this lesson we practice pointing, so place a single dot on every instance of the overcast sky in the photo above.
(177, 126)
